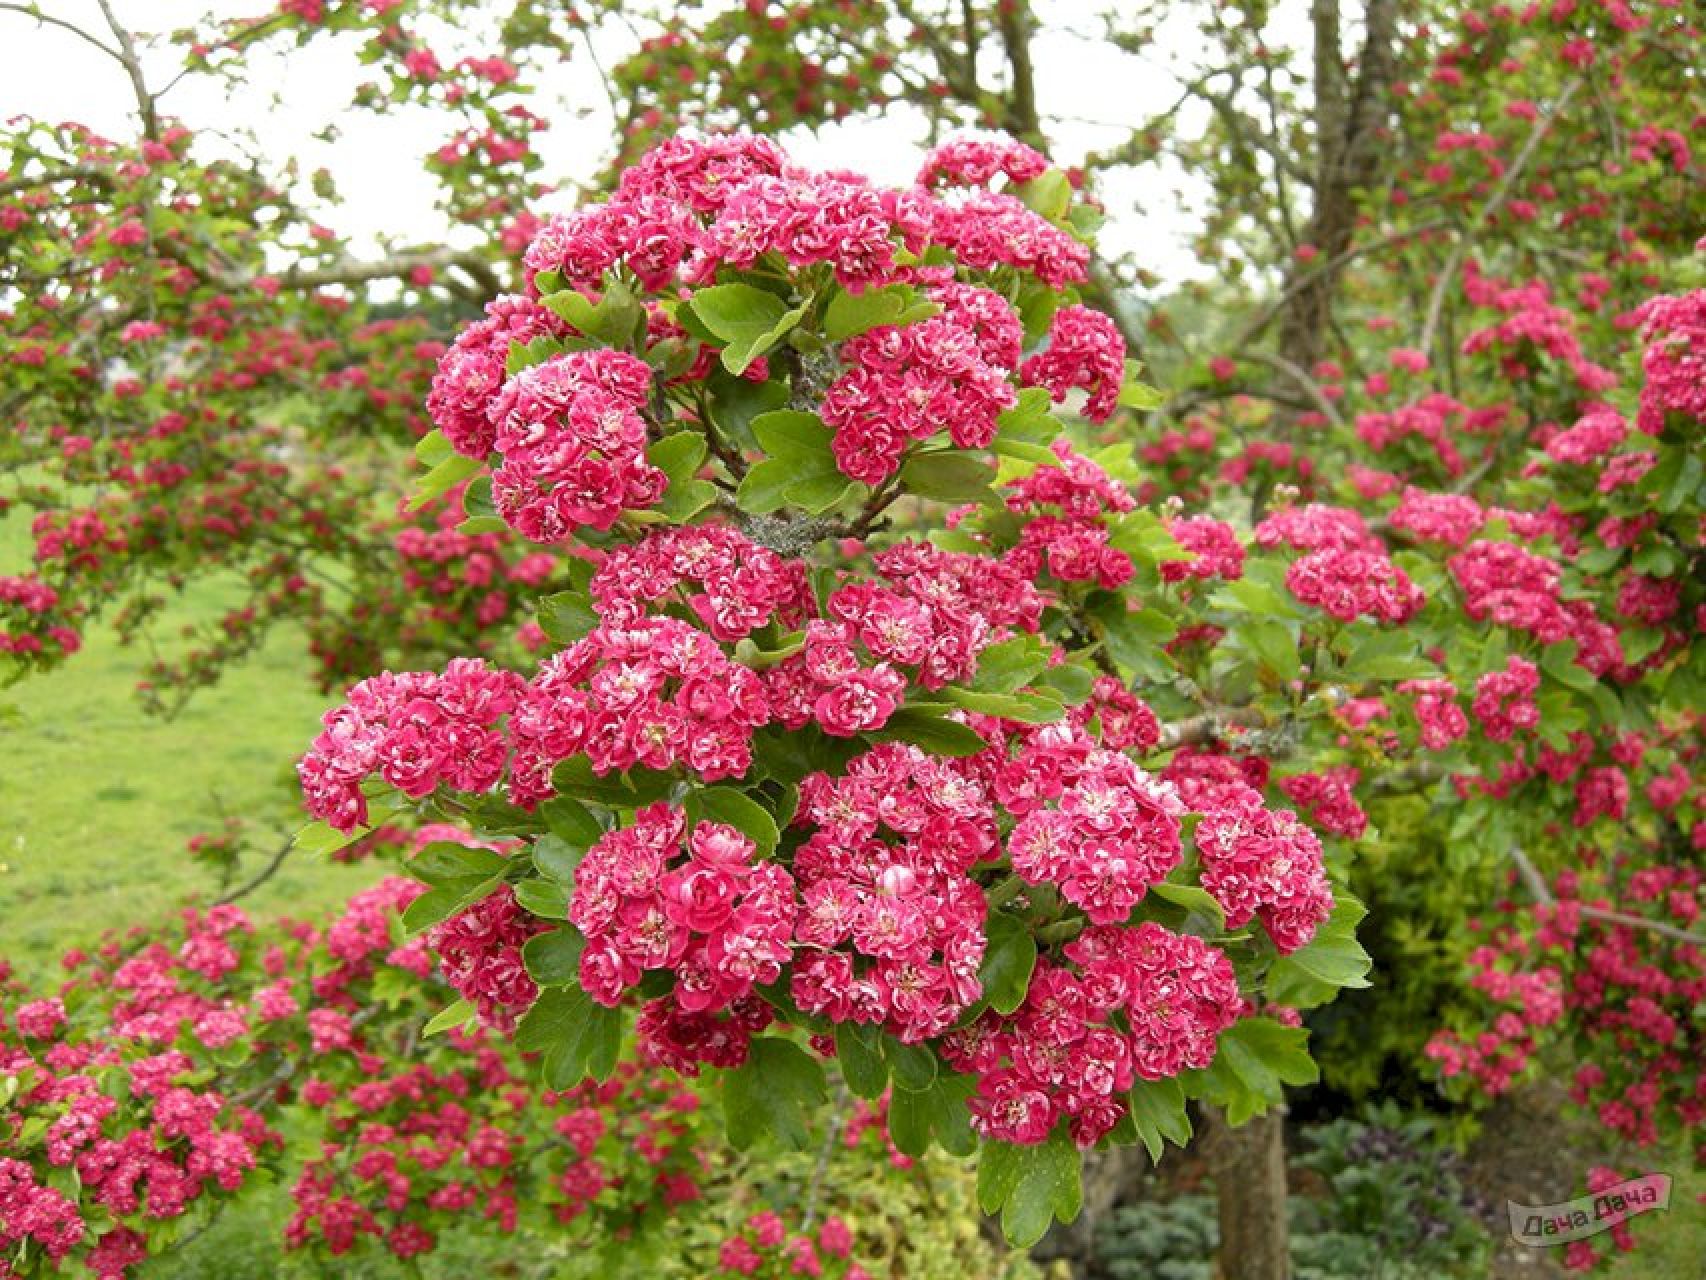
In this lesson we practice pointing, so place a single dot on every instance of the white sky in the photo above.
(50, 74)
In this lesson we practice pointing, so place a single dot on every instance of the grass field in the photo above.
(97, 798)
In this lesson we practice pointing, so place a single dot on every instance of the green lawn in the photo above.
(97, 798)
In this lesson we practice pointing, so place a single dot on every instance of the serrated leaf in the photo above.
(950, 477)
(1026, 708)
(849, 314)
(444, 477)
(576, 1036)
(913, 1066)
(771, 1095)
(445, 860)
(1159, 1115)
(1010, 665)
(748, 320)
(931, 732)
(455, 1015)
(543, 898)
(321, 839)
(553, 959)
(631, 790)
(1387, 655)
(566, 616)
(679, 457)
(1332, 960)
(444, 900)
(858, 1048)
(1031, 1186)
(1255, 1059)
(1191, 898)
(1007, 962)
(938, 1114)
(738, 810)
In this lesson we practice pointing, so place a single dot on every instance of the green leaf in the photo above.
(1026, 708)
(1010, 665)
(679, 457)
(748, 320)
(433, 448)
(913, 1066)
(1387, 655)
(455, 1015)
(1256, 1059)
(1271, 643)
(1158, 1111)
(444, 477)
(1333, 959)
(631, 790)
(1068, 680)
(931, 732)
(553, 959)
(1191, 898)
(851, 313)
(800, 469)
(444, 900)
(950, 477)
(566, 617)
(918, 1117)
(321, 839)
(858, 1048)
(577, 1037)
(771, 1094)
(738, 810)
(613, 319)
(1049, 194)
(1031, 1185)
(445, 860)
(1559, 662)
(571, 821)
(1007, 962)
(543, 898)
(1141, 396)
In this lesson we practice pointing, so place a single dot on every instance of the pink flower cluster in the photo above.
(1113, 830)
(1437, 711)
(717, 919)
(416, 730)
(1073, 546)
(1329, 798)
(1674, 362)
(1063, 1054)
(1123, 720)
(764, 1244)
(903, 385)
(479, 953)
(969, 161)
(1259, 862)
(472, 372)
(1315, 527)
(1085, 350)
(732, 585)
(890, 926)
(653, 693)
(1214, 547)
(935, 614)
(1353, 584)
(1599, 431)
(1504, 700)
(573, 441)
(1448, 518)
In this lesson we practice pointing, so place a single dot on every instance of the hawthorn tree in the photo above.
(1417, 543)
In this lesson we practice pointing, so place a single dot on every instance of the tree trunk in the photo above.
(1249, 1179)
(1349, 157)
